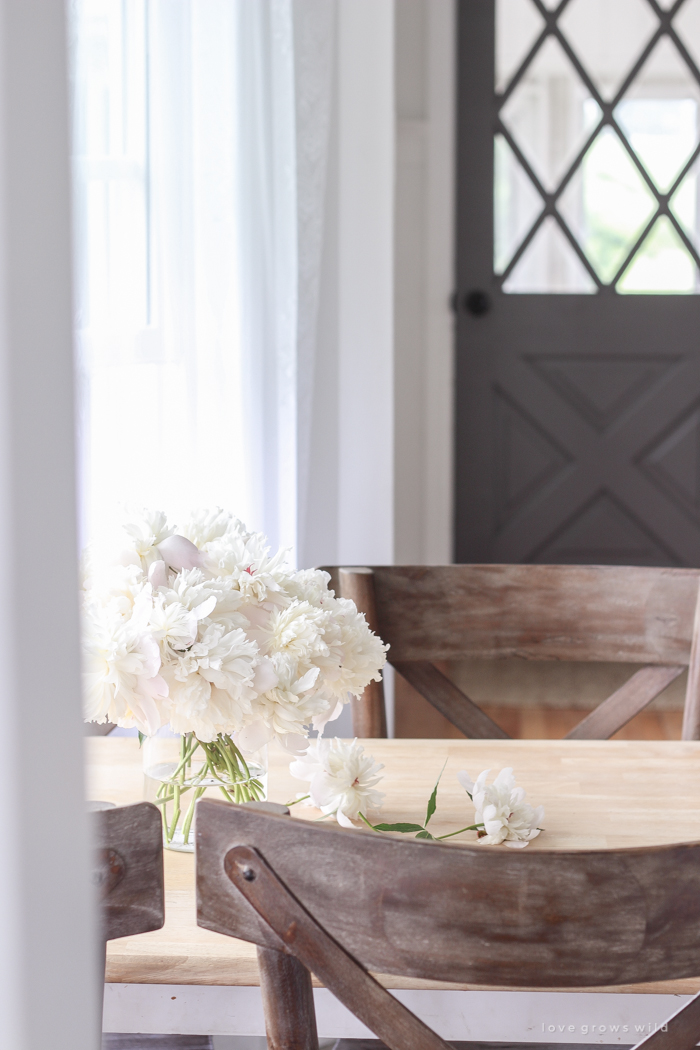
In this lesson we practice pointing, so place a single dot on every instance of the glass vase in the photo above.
(179, 770)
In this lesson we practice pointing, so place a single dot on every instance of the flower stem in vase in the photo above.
(198, 766)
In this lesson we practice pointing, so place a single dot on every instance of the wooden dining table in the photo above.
(596, 795)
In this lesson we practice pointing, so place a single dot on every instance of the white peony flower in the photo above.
(204, 627)
(342, 778)
(146, 535)
(121, 665)
(205, 526)
(502, 809)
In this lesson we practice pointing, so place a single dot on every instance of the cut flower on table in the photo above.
(502, 814)
(342, 779)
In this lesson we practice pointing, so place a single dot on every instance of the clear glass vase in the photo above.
(178, 770)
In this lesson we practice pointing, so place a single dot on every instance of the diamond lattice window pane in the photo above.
(607, 204)
(550, 114)
(659, 113)
(662, 264)
(608, 36)
(687, 25)
(516, 204)
(518, 24)
(685, 204)
(549, 264)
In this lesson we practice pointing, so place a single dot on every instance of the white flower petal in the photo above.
(253, 737)
(180, 553)
(343, 820)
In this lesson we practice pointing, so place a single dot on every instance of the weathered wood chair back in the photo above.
(538, 612)
(317, 899)
(128, 869)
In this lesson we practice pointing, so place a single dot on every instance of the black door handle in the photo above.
(477, 303)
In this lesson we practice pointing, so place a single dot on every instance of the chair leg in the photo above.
(288, 1001)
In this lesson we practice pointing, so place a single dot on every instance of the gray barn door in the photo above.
(578, 313)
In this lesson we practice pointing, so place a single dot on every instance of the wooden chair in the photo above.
(128, 870)
(538, 612)
(316, 899)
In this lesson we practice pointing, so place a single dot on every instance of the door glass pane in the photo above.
(684, 204)
(549, 264)
(608, 37)
(516, 204)
(607, 204)
(547, 115)
(603, 171)
(687, 25)
(662, 264)
(659, 114)
(514, 40)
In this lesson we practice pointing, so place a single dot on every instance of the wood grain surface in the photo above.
(128, 869)
(306, 942)
(538, 612)
(488, 915)
(596, 795)
(609, 613)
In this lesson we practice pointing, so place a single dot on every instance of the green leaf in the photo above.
(403, 828)
(142, 737)
(432, 801)
(425, 835)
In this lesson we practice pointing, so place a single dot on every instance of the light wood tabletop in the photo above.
(597, 795)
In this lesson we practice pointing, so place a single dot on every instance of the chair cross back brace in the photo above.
(538, 612)
(315, 898)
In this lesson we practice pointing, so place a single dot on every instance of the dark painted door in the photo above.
(578, 313)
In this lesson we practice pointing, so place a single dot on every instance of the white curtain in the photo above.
(201, 135)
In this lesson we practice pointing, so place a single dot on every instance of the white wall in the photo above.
(348, 517)
(365, 280)
(380, 477)
(423, 280)
(48, 972)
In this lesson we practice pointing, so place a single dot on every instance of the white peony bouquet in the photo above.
(204, 629)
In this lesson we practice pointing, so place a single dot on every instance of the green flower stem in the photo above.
(363, 817)
(302, 799)
(240, 758)
(185, 757)
(472, 827)
(190, 814)
(233, 773)
(222, 762)
(176, 814)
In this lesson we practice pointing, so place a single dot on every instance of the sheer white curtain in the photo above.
(201, 132)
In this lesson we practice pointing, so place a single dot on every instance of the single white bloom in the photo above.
(310, 585)
(342, 778)
(205, 526)
(121, 666)
(502, 809)
(146, 535)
